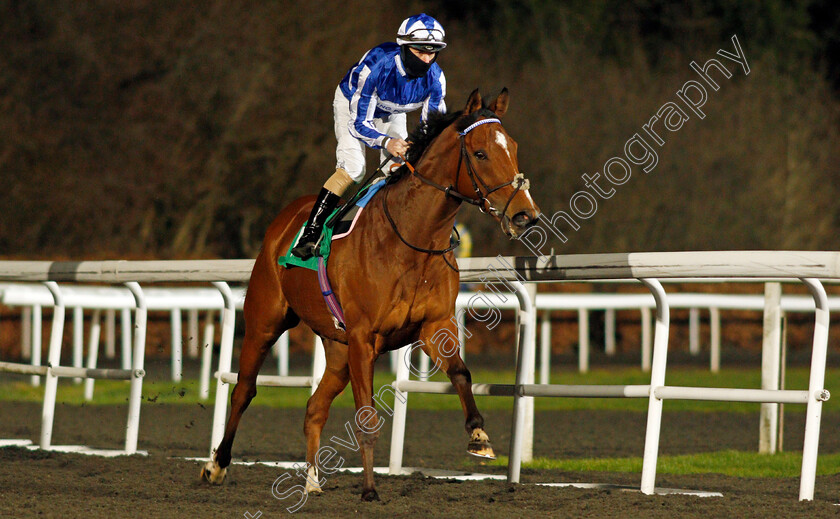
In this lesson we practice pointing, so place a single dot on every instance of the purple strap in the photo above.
(329, 296)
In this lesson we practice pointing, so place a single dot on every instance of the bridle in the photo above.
(519, 182)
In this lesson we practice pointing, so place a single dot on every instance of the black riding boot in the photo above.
(324, 206)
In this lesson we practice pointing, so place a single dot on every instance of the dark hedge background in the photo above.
(174, 129)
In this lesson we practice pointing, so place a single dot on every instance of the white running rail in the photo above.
(808, 266)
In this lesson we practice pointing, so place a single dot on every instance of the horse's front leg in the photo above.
(361, 357)
(332, 383)
(440, 342)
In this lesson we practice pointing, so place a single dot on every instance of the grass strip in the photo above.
(727, 462)
(110, 392)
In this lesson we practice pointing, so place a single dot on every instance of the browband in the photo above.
(477, 124)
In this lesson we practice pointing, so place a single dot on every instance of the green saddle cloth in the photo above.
(289, 260)
(344, 226)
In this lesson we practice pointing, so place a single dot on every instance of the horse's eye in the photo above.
(480, 155)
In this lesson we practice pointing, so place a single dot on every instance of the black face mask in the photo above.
(414, 66)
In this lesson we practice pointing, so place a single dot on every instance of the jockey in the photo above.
(370, 106)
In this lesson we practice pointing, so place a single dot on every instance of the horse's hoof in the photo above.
(480, 445)
(312, 483)
(370, 495)
(212, 473)
(481, 450)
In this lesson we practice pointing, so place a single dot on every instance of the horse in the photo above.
(393, 275)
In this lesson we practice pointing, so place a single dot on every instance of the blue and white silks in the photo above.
(378, 86)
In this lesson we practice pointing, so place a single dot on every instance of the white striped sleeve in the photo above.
(435, 101)
(362, 109)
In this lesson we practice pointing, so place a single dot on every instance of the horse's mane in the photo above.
(427, 131)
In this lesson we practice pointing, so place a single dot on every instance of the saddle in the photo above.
(339, 225)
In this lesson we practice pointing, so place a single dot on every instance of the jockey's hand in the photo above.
(396, 146)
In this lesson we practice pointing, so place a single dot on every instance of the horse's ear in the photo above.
(473, 103)
(500, 104)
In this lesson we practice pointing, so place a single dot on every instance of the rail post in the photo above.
(525, 358)
(657, 379)
(817, 393)
(54, 359)
(770, 366)
(137, 366)
(225, 353)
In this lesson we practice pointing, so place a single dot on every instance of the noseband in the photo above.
(519, 182)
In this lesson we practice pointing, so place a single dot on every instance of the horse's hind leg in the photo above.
(267, 316)
(440, 342)
(332, 383)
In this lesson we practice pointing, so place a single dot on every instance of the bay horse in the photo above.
(393, 276)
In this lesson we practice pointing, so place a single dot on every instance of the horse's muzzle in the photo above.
(516, 225)
(522, 220)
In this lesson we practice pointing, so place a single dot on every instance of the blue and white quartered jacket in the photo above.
(377, 86)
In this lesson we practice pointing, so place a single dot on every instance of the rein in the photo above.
(400, 236)
(519, 182)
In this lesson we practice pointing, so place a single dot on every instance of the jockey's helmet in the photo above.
(422, 32)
